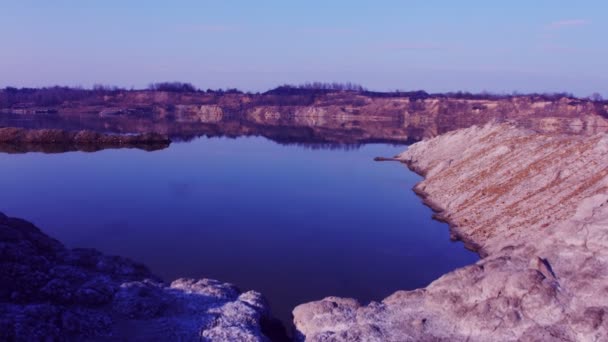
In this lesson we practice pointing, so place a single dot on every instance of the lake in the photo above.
(295, 222)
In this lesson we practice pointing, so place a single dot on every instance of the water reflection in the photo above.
(295, 223)
(62, 148)
(329, 131)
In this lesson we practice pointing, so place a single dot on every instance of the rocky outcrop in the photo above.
(19, 140)
(536, 208)
(204, 113)
(48, 292)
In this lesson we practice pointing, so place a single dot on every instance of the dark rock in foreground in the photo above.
(20, 140)
(48, 292)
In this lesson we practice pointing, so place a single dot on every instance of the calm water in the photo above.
(293, 223)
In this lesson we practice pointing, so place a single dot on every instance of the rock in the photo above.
(19, 140)
(57, 291)
(535, 207)
(82, 322)
(95, 292)
(140, 300)
(206, 287)
(48, 292)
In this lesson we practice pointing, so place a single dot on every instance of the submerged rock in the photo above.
(536, 208)
(49, 292)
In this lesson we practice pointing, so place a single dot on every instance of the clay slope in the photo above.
(536, 207)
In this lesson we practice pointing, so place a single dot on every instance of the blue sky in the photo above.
(254, 45)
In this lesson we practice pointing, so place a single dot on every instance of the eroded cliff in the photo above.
(536, 207)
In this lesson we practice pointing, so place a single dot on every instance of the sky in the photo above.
(498, 46)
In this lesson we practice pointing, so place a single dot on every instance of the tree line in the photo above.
(302, 94)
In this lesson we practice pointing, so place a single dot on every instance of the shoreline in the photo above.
(438, 210)
(498, 188)
(23, 140)
(538, 277)
(455, 234)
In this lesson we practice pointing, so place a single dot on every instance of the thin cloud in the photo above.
(556, 25)
(326, 30)
(207, 28)
(416, 47)
(549, 39)
(561, 48)
(413, 46)
(558, 48)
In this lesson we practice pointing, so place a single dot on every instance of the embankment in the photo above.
(535, 206)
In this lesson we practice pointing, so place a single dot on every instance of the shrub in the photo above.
(176, 87)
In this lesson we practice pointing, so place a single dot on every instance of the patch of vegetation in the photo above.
(175, 87)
